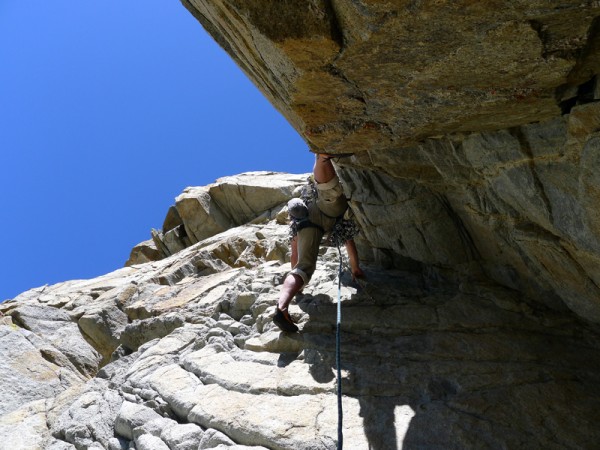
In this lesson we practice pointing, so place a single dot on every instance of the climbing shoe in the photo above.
(283, 320)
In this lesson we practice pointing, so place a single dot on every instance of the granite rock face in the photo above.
(428, 360)
(202, 212)
(475, 126)
(363, 74)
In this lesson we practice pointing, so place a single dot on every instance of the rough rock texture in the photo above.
(475, 126)
(201, 212)
(427, 362)
(364, 74)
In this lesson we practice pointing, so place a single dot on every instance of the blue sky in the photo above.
(108, 110)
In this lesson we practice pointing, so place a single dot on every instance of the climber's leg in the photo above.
(291, 286)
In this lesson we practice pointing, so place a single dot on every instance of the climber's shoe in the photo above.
(283, 320)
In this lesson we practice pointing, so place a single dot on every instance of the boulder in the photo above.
(214, 439)
(144, 252)
(89, 420)
(245, 197)
(131, 416)
(201, 216)
(184, 437)
(103, 324)
(141, 331)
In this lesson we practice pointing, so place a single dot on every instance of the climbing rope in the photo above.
(338, 354)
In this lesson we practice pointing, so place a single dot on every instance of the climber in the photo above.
(311, 220)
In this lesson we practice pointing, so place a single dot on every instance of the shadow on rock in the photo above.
(441, 368)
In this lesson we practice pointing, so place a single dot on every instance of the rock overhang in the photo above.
(370, 75)
(474, 125)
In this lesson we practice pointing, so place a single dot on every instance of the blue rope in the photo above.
(338, 356)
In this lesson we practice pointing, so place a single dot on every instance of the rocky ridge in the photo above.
(181, 353)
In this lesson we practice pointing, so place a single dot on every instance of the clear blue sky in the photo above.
(108, 110)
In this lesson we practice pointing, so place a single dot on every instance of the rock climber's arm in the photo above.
(294, 248)
(353, 257)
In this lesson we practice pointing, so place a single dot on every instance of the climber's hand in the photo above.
(357, 273)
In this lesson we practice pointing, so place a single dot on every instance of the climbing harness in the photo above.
(338, 354)
(345, 227)
(299, 224)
